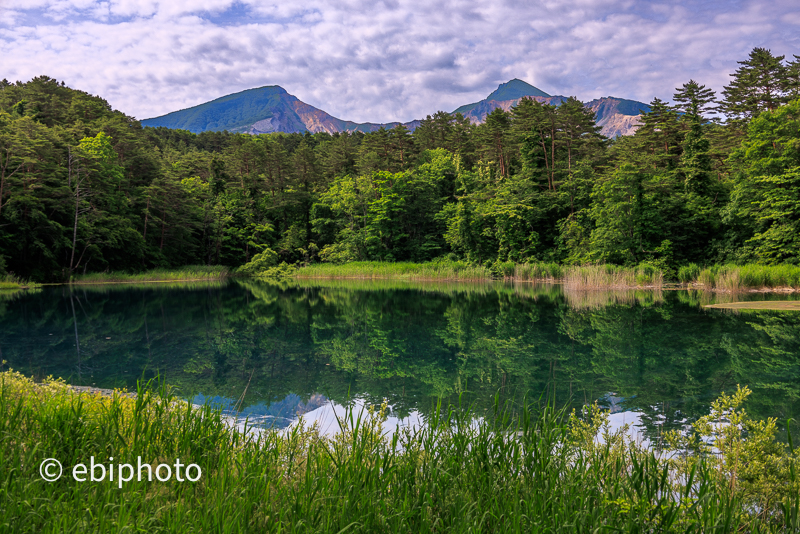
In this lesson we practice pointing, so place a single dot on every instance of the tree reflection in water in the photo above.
(279, 350)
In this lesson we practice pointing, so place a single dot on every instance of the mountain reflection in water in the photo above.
(275, 352)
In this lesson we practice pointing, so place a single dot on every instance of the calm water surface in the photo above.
(657, 359)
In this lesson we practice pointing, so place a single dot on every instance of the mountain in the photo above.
(261, 110)
(506, 92)
(272, 109)
(616, 116)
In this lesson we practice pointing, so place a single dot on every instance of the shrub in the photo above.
(260, 262)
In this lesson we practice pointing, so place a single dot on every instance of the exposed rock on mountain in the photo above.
(618, 124)
(616, 116)
(271, 109)
(261, 110)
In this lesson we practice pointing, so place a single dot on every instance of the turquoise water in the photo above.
(275, 352)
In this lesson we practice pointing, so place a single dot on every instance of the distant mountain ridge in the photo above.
(272, 109)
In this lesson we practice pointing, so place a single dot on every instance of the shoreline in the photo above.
(164, 281)
(576, 278)
(676, 286)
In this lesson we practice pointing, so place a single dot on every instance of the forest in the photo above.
(706, 179)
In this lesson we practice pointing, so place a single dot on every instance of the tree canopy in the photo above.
(85, 188)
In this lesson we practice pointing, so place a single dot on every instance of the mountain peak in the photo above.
(271, 108)
(514, 89)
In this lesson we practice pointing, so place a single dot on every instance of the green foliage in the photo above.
(688, 273)
(750, 276)
(741, 453)
(284, 271)
(84, 188)
(534, 468)
(767, 187)
(758, 85)
(261, 262)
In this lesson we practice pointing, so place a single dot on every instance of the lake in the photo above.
(273, 352)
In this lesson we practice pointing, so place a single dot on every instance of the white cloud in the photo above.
(379, 61)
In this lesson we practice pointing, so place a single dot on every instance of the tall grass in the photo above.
(742, 277)
(153, 285)
(588, 277)
(9, 281)
(188, 273)
(444, 270)
(549, 272)
(613, 276)
(534, 470)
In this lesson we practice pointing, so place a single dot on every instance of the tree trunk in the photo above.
(163, 228)
(146, 215)
(553, 156)
(75, 224)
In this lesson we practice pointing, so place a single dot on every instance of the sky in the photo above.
(381, 61)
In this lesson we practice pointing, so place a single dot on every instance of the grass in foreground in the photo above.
(188, 273)
(539, 471)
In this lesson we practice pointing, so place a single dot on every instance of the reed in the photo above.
(734, 278)
(188, 273)
(547, 272)
(441, 270)
(533, 469)
(10, 282)
(613, 277)
(588, 277)
(153, 285)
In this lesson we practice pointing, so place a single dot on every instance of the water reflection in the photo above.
(274, 352)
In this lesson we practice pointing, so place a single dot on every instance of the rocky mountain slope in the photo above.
(261, 110)
(272, 109)
(616, 116)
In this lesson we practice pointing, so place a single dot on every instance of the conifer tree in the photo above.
(693, 100)
(402, 147)
(535, 128)
(793, 79)
(493, 135)
(758, 85)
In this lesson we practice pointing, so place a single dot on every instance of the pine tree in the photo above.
(693, 100)
(493, 135)
(402, 147)
(758, 85)
(656, 145)
(579, 133)
(793, 79)
(535, 128)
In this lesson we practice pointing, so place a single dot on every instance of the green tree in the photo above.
(494, 140)
(767, 184)
(758, 85)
